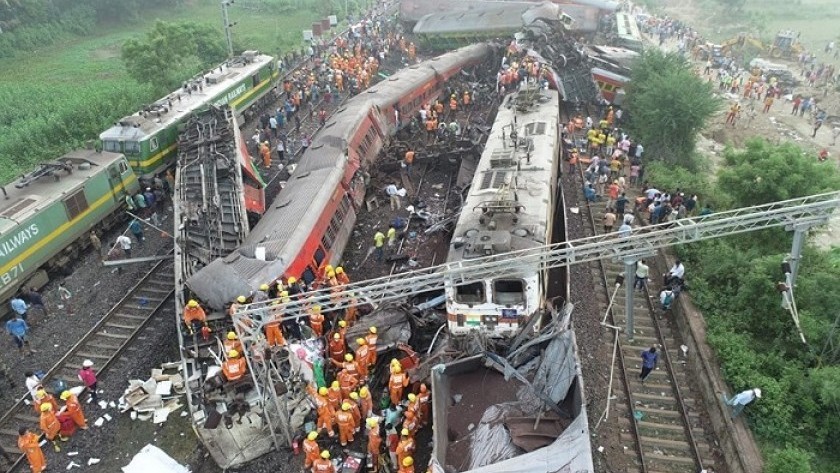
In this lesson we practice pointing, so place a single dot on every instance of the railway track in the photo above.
(103, 344)
(663, 421)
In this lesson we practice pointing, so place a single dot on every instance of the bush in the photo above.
(788, 460)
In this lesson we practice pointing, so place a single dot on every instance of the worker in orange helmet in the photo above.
(29, 445)
(194, 316)
(413, 405)
(235, 367)
(424, 397)
(316, 320)
(50, 425)
(344, 419)
(273, 334)
(371, 338)
(341, 276)
(355, 411)
(324, 408)
(374, 444)
(73, 408)
(323, 464)
(311, 450)
(407, 465)
(362, 357)
(337, 348)
(334, 395)
(365, 402)
(406, 446)
(397, 383)
(232, 342)
(42, 397)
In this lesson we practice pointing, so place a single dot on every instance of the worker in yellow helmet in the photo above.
(323, 464)
(235, 367)
(311, 449)
(194, 316)
(344, 419)
(341, 276)
(232, 342)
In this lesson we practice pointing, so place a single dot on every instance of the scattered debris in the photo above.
(151, 458)
(155, 398)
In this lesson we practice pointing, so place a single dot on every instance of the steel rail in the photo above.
(21, 405)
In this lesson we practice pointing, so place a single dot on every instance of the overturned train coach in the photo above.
(311, 219)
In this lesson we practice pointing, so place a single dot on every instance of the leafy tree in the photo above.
(763, 173)
(171, 52)
(788, 460)
(668, 106)
(736, 5)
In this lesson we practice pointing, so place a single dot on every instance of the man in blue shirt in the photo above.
(649, 360)
(18, 329)
(19, 307)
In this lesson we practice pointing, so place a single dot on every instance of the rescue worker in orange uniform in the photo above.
(397, 384)
(234, 368)
(354, 410)
(344, 419)
(371, 338)
(374, 444)
(273, 334)
(466, 99)
(232, 342)
(194, 316)
(73, 408)
(311, 450)
(324, 409)
(334, 395)
(316, 320)
(29, 445)
(337, 348)
(407, 465)
(265, 152)
(323, 464)
(42, 397)
(413, 406)
(235, 306)
(362, 357)
(406, 446)
(410, 422)
(341, 275)
(365, 402)
(50, 425)
(424, 397)
(348, 382)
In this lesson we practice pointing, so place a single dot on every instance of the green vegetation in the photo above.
(733, 282)
(669, 105)
(171, 50)
(63, 80)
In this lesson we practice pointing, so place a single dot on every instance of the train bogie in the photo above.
(46, 219)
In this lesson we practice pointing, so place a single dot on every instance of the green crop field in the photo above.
(73, 89)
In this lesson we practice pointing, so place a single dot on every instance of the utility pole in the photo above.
(227, 25)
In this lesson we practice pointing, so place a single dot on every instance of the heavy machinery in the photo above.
(785, 45)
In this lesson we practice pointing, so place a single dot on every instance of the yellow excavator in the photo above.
(784, 45)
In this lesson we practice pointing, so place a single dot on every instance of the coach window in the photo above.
(319, 256)
(75, 204)
(308, 275)
(508, 291)
(470, 293)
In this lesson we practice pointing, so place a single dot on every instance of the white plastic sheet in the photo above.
(153, 459)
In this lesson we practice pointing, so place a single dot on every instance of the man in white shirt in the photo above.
(642, 271)
(125, 243)
(675, 274)
(394, 194)
(740, 400)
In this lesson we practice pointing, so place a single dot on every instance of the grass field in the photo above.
(91, 66)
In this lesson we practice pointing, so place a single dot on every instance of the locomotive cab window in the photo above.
(153, 144)
(255, 79)
(509, 291)
(75, 204)
(111, 145)
(123, 166)
(132, 147)
(470, 293)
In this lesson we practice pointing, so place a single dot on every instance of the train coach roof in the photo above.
(27, 195)
(160, 115)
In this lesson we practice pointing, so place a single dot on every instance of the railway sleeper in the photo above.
(122, 326)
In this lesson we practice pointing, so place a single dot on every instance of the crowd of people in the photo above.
(56, 422)
(347, 65)
(342, 395)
